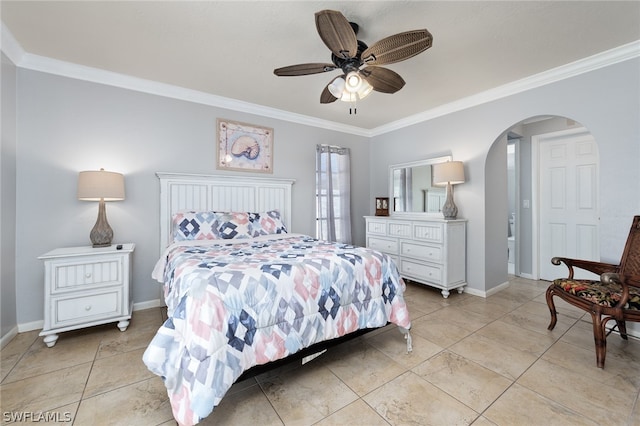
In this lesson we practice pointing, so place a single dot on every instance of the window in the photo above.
(333, 194)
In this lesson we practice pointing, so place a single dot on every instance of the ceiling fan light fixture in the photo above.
(336, 87)
(352, 88)
(365, 89)
(353, 82)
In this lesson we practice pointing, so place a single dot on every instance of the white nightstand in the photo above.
(86, 286)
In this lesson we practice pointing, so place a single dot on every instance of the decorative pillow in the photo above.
(234, 225)
(191, 225)
(267, 223)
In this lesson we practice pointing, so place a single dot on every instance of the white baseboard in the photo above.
(30, 326)
(497, 288)
(485, 294)
(474, 292)
(140, 306)
(7, 337)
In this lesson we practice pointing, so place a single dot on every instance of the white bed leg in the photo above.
(407, 337)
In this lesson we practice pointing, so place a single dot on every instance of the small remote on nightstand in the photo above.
(119, 247)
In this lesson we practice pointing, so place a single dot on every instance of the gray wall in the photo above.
(66, 125)
(605, 101)
(8, 199)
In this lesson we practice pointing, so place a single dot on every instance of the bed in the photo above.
(243, 292)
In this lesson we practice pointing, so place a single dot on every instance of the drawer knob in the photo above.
(87, 308)
(87, 275)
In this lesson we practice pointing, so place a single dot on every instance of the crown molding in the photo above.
(81, 72)
(22, 59)
(10, 46)
(600, 60)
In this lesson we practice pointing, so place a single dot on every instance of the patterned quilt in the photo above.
(235, 305)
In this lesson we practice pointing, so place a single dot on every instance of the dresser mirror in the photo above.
(411, 190)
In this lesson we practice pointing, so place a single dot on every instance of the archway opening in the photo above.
(513, 196)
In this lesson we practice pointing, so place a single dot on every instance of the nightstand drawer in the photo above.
(419, 251)
(383, 245)
(80, 309)
(74, 274)
(431, 273)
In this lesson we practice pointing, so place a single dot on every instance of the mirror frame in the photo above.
(425, 162)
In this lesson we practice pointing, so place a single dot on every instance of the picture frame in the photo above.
(382, 206)
(244, 147)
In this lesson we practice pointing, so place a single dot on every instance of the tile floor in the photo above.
(474, 361)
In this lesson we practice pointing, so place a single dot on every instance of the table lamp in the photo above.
(449, 173)
(101, 186)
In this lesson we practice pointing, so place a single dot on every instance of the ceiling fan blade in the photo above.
(382, 79)
(336, 33)
(303, 69)
(326, 97)
(397, 47)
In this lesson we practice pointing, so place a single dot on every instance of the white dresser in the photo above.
(428, 251)
(86, 286)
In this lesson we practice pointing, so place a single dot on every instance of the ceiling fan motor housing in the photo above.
(350, 64)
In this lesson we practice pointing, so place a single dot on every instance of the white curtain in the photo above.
(333, 194)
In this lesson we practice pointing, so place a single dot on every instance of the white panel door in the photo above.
(568, 201)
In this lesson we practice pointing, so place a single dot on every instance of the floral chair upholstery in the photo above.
(616, 297)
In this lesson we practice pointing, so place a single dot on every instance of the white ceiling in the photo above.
(230, 48)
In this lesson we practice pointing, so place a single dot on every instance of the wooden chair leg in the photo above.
(622, 328)
(552, 309)
(600, 338)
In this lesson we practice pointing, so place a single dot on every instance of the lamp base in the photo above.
(101, 234)
(449, 209)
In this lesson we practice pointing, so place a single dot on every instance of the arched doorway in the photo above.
(525, 203)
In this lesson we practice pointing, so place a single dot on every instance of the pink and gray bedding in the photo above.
(240, 303)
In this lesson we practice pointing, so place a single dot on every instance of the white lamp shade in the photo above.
(336, 87)
(449, 172)
(95, 185)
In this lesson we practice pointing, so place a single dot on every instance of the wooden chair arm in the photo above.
(598, 268)
(624, 281)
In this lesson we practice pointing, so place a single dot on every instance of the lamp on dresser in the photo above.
(101, 185)
(449, 173)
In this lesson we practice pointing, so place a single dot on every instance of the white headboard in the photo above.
(180, 191)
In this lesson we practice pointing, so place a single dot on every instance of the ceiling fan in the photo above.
(359, 63)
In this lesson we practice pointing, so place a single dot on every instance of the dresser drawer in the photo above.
(430, 232)
(419, 251)
(382, 244)
(81, 309)
(399, 229)
(73, 274)
(376, 227)
(431, 273)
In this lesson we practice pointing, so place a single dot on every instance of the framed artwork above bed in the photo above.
(244, 147)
